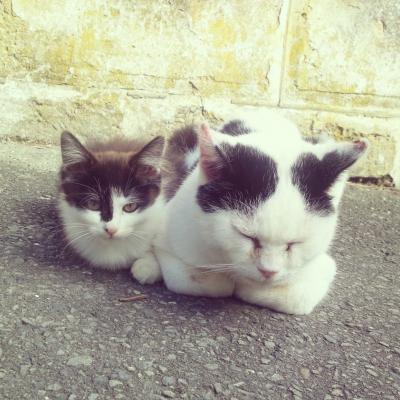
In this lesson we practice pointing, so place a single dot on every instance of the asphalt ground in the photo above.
(64, 334)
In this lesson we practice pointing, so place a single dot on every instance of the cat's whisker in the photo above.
(75, 239)
(134, 234)
(215, 270)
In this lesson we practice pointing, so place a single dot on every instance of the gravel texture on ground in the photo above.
(64, 335)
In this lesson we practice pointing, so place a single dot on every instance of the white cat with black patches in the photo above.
(255, 216)
(108, 200)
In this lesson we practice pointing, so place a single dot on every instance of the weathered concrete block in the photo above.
(229, 48)
(344, 55)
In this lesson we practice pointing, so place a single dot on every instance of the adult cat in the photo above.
(251, 211)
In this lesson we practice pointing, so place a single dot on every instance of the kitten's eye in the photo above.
(93, 205)
(290, 245)
(130, 207)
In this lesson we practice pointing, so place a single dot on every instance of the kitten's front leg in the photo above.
(300, 295)
(146, 270)
(184, 279)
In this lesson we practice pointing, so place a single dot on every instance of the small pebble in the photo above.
(80, 360)
(114, 382)
(217, 387)
(168, 393)
(269, 344)
(168, 381)
(305, 373)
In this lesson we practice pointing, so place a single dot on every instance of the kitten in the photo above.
(108, 199)
(251, 211)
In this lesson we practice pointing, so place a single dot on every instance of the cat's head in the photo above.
(270, 199)
(109, 187)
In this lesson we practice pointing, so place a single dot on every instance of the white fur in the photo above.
(203, 253)
(85, 232)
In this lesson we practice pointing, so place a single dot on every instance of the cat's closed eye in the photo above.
(290, 245)
(130, 207)
(93, 205)
(255, 240)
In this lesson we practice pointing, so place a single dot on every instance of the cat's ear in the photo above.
(73, 152)
(343, 156)
(147, 162)
(211, 159)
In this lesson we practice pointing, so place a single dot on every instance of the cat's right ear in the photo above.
(211, 159)
(73, 152)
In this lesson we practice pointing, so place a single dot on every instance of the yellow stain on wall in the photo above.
(223, 33)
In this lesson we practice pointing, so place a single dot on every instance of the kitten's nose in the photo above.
(110, 231)
(266, 273)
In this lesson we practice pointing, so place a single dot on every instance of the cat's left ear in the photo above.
(147, 162)
(344, 156)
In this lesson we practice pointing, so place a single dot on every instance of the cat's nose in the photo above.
(110, 231)
(266, 273)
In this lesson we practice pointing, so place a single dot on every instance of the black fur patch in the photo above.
(247, 177)
(176, 171)
(312, 139)
(235, 127)
(99, 179)
(314, 177)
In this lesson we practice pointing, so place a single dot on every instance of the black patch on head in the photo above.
(235, 127)
(176, 170)
(246, 177)
(314, 177)
(104, 172)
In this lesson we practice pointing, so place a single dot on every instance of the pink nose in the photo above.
(111, 231)
(267, 274)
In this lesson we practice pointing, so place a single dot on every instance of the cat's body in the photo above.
(250, 211)
(108, 201)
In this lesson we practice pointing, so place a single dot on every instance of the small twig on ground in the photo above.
(133, 298)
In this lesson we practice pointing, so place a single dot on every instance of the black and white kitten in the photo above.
(108, 199)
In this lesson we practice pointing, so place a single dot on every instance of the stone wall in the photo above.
(98, 67)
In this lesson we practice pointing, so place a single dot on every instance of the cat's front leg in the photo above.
(184, 279)
(299, 295)
(146, 270)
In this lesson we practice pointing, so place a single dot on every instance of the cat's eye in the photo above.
(130, 207)
(255, 240)
(290, 245)
(93, 205)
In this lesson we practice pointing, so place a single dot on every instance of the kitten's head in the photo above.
(109, 186)
(270, 199)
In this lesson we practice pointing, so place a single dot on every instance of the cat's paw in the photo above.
(146, 270)
(299, 296)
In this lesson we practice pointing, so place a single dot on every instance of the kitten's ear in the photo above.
(343, 156)
(73, 152)
(147, 162)
(211, 159)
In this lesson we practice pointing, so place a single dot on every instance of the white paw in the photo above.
(297, 306)
(146, 270)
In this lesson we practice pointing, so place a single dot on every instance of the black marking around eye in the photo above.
(314, 177)
(101, 179)
(247, 177)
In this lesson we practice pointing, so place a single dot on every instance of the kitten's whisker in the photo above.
(75, 239)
